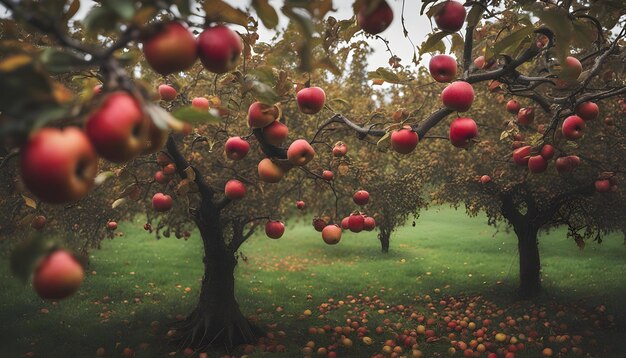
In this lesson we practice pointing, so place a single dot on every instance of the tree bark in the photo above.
(383, 236)
(217, 320)
(529, 262)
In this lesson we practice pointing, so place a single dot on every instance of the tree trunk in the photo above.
(217, 320)
(529, 263)
(383, 236)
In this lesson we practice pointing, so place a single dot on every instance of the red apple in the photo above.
(167, 93)
(38, 222)
(462, 131)
(169, 169)
(219, 48)
(526, 115)
(340, 149)
(236, 148)
(173, 49)
(369, 223)
(112, 225)
(603, 185)
(331, 234)
(361, 197)
(442, 68)
(118, 129)
(327, 175)
(451, 16)
(521, 155)
(319, 224)
(269, 172)
(458, 96)
(563, 164)
(311, 100)
(300, 204)
(275, 133)
(588, 111)
(274, 229)
(58, 275)
(571, 69)
(161, 178)
(573, 127)
(537, 164)
(97, 89)
(547, 151)
(161, 202)
(234, 189)
(485, 179)
(261, 115)
(513, 106)
(300, 152)
(200, 103)
(374, 20)
(345, 223)
(479, 62)
(59, 166)
(356, 222)
(404, 140)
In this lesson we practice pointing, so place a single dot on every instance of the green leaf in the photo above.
(434, 9)
(583, 34)
(433, 42)
(57, 61)
(266, 13)
(123, 8)
(195, 116)
(557, 20)
(457, 43)
(384, 74)
(24, 87)
(100, 19)
(382, 143)
(328, 64)
(218, 10)
(509, 43)
(264, 93)
(474, 15)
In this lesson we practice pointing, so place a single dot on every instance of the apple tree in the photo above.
(115, 150)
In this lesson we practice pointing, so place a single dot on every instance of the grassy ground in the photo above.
(137, 286)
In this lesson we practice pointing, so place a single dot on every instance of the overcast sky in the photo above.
(418, 27)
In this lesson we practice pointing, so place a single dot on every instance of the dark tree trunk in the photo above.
(529, 262)
(383, 236)
(217, 320)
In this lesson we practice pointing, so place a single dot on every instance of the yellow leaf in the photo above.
(14, 62)
(29, 202)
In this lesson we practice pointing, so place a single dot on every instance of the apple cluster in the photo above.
(173, 48)
(355, 222)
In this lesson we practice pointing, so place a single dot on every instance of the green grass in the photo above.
(137, 280)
